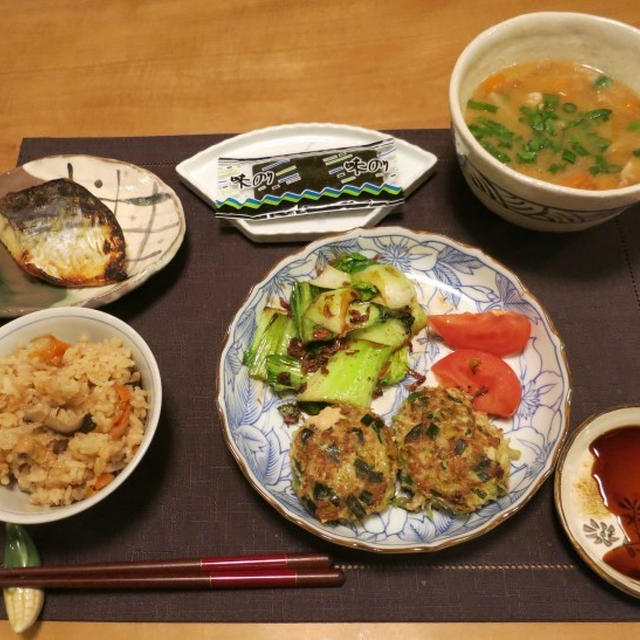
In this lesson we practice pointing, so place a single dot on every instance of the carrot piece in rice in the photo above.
(121, 419)
(51, 352)
(102, 481)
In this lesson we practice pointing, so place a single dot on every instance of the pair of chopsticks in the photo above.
(217, 572)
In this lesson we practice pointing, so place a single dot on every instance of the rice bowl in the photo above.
(80, 398)
(71, 417)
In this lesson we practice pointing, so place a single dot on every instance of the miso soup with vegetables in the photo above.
(565, 123)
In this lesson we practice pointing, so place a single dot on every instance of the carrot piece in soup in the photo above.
(579, 181)
(608, 181)
(494, 83)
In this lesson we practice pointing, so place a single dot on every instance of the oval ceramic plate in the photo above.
(448, 276)
(592, 529)
(200, 172)
(149, 212)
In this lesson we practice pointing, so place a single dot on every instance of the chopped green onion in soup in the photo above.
(566, 123)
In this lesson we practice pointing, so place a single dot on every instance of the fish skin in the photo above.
(60, 232)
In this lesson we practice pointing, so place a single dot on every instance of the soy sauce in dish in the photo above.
(616, 469)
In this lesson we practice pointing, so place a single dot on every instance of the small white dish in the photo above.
(200, 172)
(448, 276)
(591, 528)
(148, 210)
(71, 324)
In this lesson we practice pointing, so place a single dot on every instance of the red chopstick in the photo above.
(185, 566)
(218, 572)
(328, 577)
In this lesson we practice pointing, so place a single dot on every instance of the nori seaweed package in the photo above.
(359, 177)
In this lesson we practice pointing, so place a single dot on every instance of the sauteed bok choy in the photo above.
(341, 337)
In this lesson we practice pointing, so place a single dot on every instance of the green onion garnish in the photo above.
(602, 81)
(602, 144)
(495, 152)
(537, 143)
(636, 153)
(599, 114)
(482, 106)
(569, 138)
(578, 148)
(526, 157)
(496, 129)
(602, 166)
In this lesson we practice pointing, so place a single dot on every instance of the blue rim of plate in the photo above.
(445, 270)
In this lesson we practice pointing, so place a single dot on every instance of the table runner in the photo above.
(188, 498)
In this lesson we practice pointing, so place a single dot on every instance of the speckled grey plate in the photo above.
(148, 210)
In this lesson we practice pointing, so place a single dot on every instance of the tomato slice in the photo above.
(491, 381)
(502, 333)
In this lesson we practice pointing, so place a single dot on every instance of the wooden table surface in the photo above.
(76, 68)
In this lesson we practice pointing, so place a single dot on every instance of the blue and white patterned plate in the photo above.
(449, 276)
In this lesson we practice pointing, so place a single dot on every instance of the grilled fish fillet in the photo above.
(59, 232)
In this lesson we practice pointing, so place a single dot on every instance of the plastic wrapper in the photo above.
(358, 177)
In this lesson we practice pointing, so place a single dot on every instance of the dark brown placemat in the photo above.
(188, 498)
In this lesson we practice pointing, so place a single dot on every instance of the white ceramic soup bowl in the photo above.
(71, 324)
(610, 46)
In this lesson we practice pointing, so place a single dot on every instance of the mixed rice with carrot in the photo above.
(71, 417)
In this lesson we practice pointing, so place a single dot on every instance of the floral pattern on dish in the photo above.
(592, 526)
(448, 276)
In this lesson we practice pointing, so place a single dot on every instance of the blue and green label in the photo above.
(326, 180)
